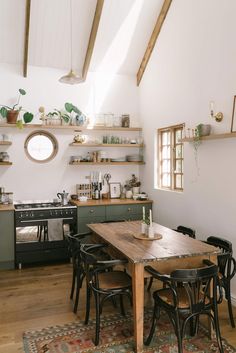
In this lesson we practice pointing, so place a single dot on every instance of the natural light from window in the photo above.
(113, 59)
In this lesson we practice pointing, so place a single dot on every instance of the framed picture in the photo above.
(115, 190)
(233, 123)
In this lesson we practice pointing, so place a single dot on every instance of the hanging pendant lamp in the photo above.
(71, 78)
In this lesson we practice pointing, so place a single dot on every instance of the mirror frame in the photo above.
(50, 136)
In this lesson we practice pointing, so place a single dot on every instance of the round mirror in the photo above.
(41, 146)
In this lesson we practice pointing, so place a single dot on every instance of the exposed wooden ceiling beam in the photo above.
(92, 38)
(26, 45)
(152, 40)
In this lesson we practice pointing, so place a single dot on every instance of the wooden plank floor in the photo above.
(37, 297)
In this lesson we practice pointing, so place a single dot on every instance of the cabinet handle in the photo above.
(91, 211)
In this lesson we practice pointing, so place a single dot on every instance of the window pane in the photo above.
(166, 166)
(166, 180)
(178, 181)
(179, 165)
(41, 146)
(166, 152)
(178, 135)
(179, 151)
(165, 138)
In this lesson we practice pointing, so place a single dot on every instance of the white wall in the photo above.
(29, 180)
(193, 63)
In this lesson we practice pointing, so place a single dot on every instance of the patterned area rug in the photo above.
(116, 337)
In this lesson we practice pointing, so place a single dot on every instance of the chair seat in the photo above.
(166, 296)
(113, 280)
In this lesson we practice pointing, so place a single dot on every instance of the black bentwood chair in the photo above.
(186, 230)
(78, 274)
(188, 293)
(227, 268)
(180, 229)
(104, 281)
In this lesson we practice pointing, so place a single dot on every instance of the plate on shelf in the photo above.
(135, 158)
(121, 159)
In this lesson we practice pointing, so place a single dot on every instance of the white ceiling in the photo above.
(123, 34)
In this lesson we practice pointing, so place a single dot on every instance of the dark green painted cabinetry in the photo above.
(7, 239)
(89, 214)
(126, 212)
(96, 214)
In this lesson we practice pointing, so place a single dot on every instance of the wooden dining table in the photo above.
(171, 251)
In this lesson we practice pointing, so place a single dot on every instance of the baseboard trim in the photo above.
(233, 300)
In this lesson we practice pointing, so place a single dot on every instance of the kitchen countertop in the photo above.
(7, 208)
(107, 202)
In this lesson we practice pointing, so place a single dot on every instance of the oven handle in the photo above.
(45, 219)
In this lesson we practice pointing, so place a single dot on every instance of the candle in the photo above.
(143, 213)
(150, 217)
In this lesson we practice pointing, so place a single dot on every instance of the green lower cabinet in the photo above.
(87, 215)
(126, 212)
(98, 214)
(7, 247)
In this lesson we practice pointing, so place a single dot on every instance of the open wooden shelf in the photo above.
(5, 143)
(211, 137)
(5, 163)
(76, 144)
(74, 127)
(106, 163)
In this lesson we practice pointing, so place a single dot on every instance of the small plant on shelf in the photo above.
(12, 113)
(133, 182)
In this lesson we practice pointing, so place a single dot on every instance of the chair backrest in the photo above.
(226, 262)
(186, 230)
(199, 285)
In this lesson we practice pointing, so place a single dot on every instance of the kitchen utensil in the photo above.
(64, 197)
(107, 176)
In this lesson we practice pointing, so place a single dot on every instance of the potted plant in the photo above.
(12, 113)
(133, 184)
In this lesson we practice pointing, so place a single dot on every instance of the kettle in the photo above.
(64, 197)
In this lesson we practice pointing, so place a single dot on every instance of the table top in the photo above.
(172, 244)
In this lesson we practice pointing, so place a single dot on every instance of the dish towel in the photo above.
(55, 229)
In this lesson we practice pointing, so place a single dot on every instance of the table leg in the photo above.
(138, 304)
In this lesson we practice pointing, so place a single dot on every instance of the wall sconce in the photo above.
(218, 116)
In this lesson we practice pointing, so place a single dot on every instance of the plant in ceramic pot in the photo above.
(76, 116)
(133, 184)
(12, 113)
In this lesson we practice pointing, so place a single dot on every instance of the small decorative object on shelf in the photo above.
(218, 116)
(84, 190)
(125, 119)
(133, 185)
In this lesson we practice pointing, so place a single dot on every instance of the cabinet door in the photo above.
(87, 215)
(126, 212)
(7, 239)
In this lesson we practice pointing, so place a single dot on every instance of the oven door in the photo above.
(42, 240)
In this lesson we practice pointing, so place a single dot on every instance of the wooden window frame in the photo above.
(173, 159)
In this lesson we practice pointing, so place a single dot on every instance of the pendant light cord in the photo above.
(71, 34)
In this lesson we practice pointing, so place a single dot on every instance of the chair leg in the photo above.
(156, 312)
(73, 284)
(97, 304)
(179, 334)
(122, 310)
(88, 298)
(150, 284)
(217, 329)
(230, 310)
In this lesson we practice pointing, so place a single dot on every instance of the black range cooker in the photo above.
(41, 227)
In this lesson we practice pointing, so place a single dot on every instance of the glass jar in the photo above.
(109, 119)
